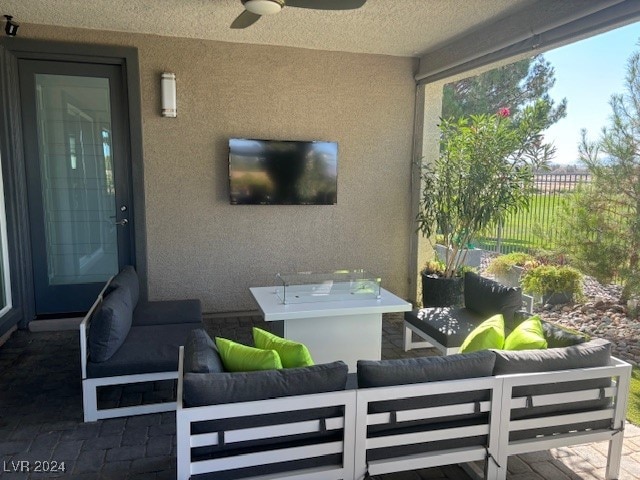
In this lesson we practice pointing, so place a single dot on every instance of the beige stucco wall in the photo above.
(200, 246)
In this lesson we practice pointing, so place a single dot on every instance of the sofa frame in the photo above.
(356, 441)
(90, 385)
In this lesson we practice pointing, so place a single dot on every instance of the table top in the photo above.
(273, 309)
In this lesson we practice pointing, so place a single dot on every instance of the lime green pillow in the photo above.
(489, 334)
(241, 358)
(292, 354)
(529, 335)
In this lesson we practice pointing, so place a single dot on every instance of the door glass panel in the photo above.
(76, 171)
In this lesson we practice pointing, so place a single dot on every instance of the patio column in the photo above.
(427, 118)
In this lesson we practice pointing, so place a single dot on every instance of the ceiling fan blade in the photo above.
(245, 19)
(326, 4)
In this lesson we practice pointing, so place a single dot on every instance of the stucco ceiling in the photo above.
(393, 27)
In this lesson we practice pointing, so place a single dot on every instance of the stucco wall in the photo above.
(198, 245)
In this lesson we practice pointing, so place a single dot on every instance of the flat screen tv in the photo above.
(280, 172)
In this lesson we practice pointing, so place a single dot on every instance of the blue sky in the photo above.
(587, 74)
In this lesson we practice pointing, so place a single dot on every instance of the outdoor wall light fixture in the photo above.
(11, 28)
(168, 88)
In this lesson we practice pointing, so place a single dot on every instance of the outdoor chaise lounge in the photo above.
(445, 328)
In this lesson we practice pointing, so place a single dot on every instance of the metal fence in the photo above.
(535, 227)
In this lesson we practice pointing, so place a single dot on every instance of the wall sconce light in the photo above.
(168, 87)
(11, 28)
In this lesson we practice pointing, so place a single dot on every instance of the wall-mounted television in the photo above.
(282, 172)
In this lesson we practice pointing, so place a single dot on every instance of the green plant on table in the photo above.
(501, 265)
(551, 279)
(484, 172)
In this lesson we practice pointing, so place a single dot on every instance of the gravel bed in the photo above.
(600, 315)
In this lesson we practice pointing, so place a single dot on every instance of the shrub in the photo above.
(551, 279)
(502, 264)
(437, 268)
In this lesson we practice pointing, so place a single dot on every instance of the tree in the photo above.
(483, 173)
(512, 86)
(602, 222)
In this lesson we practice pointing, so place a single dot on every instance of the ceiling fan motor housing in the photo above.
(263, 7)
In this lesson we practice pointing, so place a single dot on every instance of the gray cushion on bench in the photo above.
(216, 388)
(167, 311)
(147, 349)
(127, 278)
(201, 354)
(110, 325)
(448, 326)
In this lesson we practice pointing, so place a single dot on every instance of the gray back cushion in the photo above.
(128, 279)
(201, 354)
(595, 353)
(216, 388)
(384, 373)
(110, 325)
(488, 297)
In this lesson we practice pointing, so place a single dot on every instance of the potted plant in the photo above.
(553, 284)
(508, 268)
(484, 172)
(438, 291)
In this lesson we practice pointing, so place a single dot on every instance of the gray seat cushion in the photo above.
(110, 325)
(448, 326)
(147, 349)
(167, 311)
(128, 279)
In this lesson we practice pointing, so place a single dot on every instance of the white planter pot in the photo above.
(473, 258)
(511, 278)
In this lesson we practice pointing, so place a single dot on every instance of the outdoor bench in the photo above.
(445, 328)
(124, 341)
(405, 414)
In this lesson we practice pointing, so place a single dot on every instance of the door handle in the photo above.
(122, 222)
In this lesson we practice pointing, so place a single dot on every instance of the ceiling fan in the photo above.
(254, 9)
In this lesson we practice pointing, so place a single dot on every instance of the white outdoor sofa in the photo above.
(450, 410)
(125, 341)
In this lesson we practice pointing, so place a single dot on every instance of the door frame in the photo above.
(13, 162)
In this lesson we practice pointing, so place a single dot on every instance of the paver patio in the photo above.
(41, 419)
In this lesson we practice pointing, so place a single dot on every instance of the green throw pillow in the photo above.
(241, 358)
(292, 354)
(529, 335)
(489, 334)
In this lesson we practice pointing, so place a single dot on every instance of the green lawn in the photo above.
(527, 229)
(633, 409)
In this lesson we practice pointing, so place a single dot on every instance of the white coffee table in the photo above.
(348, 330)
